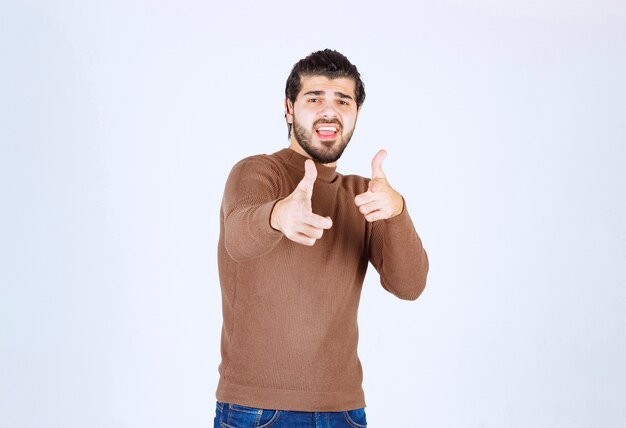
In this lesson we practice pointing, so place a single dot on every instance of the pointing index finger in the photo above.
(319, 221)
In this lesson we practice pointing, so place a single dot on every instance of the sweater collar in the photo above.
(296, 160)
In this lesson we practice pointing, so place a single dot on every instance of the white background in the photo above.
(505, 123)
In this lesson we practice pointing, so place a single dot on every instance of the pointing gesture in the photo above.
(380, 201)
(294, 216)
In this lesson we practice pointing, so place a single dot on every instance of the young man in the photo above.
(295, 241)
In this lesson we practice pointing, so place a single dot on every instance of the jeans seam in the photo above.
(351, 421)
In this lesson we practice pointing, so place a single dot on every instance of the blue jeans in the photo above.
(229, 415)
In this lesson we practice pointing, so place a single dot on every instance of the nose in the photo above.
(328, 111)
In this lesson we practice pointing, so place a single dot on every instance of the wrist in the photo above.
(400, 206)
(274, 216)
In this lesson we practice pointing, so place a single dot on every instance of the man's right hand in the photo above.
(294, 216)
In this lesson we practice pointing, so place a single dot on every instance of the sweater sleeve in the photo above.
(252, 189)
(396, 251)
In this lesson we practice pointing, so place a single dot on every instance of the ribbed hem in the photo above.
(282, 399)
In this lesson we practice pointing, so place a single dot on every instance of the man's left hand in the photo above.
(380, 201)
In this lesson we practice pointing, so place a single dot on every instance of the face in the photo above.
(323, 117)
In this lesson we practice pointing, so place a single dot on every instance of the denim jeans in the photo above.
(229, 415)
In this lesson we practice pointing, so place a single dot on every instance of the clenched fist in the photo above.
(294, 216)
(380, 201)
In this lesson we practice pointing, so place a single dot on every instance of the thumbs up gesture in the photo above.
(380, 201)
(294, 216)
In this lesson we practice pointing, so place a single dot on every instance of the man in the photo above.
(295, 241)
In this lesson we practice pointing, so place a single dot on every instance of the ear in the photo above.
(288, 110)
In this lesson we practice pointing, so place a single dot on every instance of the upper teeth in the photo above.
(327, 128)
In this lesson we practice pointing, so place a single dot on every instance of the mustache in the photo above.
(326, 121)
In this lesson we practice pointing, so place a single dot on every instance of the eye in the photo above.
(345, 103)
(313, 100)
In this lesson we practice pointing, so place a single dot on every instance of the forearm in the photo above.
(248, 233)
(399, 256)
(251, 191)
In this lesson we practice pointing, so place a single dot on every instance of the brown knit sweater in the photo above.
(290, 333)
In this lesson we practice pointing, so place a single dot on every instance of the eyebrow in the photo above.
(337, 94)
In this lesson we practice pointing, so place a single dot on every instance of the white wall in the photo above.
(505, 125)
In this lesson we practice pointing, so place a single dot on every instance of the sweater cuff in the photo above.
(265, 213)
(400, 221)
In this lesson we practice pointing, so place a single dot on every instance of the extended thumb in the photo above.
(373, 185)
(310, 174)
(377, 164)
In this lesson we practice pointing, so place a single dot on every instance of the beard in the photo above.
(329, 151)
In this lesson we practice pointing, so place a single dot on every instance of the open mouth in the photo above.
(327, 132)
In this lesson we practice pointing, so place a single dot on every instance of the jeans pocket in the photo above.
(268, 418)
(356, 417)
(238, 416)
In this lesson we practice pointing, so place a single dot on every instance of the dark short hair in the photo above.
(328, 63)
